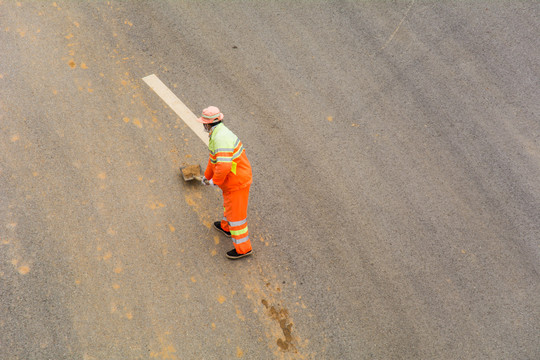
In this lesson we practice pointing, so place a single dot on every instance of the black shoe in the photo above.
(217, 225)
(234, 255)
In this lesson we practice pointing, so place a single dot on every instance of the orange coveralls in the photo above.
(229, 168)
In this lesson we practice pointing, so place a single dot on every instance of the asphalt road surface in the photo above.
(395, 209)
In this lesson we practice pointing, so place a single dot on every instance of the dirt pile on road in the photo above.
(191, 171)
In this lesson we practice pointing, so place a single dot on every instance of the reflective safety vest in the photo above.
(228, 164)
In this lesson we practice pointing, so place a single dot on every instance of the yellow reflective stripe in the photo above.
(238, 153)
(239, 232)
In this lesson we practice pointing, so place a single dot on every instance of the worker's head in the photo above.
(211, 116)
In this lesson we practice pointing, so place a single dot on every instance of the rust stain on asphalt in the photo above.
(239, 352)
(23, 269)
(155, 205)
(194, 201)
(281, 315)
(166, 353)
(137, 123)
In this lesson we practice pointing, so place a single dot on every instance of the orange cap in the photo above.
(210, 115)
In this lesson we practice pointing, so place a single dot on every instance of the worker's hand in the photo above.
(204, 181)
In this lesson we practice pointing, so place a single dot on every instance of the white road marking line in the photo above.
(178, 106)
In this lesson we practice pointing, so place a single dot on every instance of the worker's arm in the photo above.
(221, 170)
(217, 172)
(209, 172)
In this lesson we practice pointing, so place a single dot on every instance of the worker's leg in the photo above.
(236, 204)
(224, 222)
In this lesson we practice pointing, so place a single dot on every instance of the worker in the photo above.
(230, 170)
